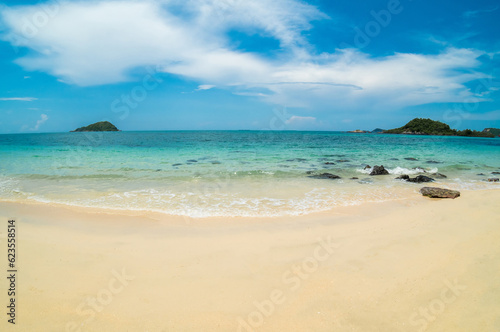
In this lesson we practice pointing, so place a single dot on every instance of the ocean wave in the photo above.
(402, 170)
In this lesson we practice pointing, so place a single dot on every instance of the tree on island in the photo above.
(430, 127)
(98, 126)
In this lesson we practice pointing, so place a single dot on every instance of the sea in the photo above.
(204, 174)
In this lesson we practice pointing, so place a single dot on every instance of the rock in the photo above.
(481, 174)
(176, 164)
(411, 159)
(215, 162)
(496, 173)
(325, 176)
(394, 159)
(439, 192)
(329, 163)
(192, 161)
(379, 170)
(438, 176)
(493, 180)
(354, 178)
(420, 179)
(367, 167)
(343, 161)
(433, 162)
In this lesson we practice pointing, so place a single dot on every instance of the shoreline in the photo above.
(364, 268)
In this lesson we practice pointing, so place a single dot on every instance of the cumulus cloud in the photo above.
(39, 123)
(100, 42)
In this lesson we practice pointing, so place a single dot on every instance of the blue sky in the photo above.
(238, 64)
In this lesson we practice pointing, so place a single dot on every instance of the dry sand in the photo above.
(411, 265)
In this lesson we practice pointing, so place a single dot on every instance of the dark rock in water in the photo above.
(438, 176)
(192, 161)
(325, 176)
(420, 179)
(411, 159)
(481, 174)
(493, 180)
(367, 167)
(176, 164)
(343, 161)
(433, 162)
(439, 192)
(158, 170)
(354, 178)
(379, 170)
(310, 172)
(496, 173)
(215, 162)
(329, 163)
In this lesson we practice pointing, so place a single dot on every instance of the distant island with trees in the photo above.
(98, 126)
(420, 126)
(430, 127)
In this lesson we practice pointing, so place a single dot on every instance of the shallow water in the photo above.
(232, 173)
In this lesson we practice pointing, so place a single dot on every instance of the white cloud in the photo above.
(205, 87)
(41, 121)
(19, 99)
(473, 13)
(193, 43)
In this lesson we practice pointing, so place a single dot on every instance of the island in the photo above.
(494, 131)
(98, 126)
(420, 126)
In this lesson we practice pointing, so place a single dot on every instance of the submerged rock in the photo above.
(176, 165)
(367, 167)
(495, 172)
(493, 180)
(411, 159)
(433, 162)
(421, 178)
(192, 161)
(439, 192)
(325, 176)
(438, 176)
(379, 170)
(354, 178)
(343, 161)
(417, 179)
(329, 163)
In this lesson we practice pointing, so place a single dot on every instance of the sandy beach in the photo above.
(412, 265)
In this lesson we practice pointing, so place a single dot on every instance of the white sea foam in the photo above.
(402, 170)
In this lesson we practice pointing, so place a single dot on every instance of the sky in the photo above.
(248, 65)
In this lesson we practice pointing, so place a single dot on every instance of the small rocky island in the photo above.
(98, 126)
(430, 127)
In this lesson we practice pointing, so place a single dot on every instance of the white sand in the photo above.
(411, 265)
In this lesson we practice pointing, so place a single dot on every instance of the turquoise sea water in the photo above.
(232, 173)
